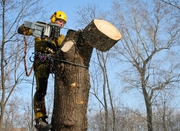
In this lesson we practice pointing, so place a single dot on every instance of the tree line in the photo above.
(147, 57)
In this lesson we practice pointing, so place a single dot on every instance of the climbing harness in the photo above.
(44, 57)
(50, 57)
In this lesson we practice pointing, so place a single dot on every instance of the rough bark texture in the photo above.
(72, 81)
(72, 84)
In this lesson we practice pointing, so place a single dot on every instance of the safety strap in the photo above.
(64, 61)
(25, 52)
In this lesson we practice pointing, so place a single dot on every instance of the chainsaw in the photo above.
(42, 29)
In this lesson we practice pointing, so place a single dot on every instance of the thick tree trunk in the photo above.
(72, 82)
(72, 85)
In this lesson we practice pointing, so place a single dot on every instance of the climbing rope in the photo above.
(25, 52)
(32, 106)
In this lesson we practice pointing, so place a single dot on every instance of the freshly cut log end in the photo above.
(101, 34)
(67, 46)
(108, 29)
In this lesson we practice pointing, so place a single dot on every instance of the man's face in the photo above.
(60, 22)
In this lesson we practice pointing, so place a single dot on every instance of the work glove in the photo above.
(60, 40)
(25, 31)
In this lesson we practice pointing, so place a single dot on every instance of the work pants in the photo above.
(41, 74)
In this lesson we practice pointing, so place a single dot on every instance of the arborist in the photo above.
(44, 46)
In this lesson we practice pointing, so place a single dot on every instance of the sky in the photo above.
(70, 8)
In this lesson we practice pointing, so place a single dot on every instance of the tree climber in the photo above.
(43, 48)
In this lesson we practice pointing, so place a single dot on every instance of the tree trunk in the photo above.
(149, 115)
(72, 81)
(72, 85)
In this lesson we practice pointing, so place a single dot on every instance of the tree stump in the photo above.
(72, 80)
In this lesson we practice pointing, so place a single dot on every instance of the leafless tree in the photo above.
(12, 73)
(174, 3)
(102, 62)
(150, 37)
(86, 14)
(164, 114)
(126, 120)
(13, 116)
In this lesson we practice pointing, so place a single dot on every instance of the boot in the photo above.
(42, 124)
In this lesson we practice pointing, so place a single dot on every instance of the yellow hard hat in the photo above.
(58, 15)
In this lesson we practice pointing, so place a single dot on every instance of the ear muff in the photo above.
(53, 18)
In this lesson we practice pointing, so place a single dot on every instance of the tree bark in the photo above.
(72, 86)
(72, 81)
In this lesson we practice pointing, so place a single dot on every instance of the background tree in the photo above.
(174, 3)
(126, 119)
(13, 115)
(163, 112)
(13, 14)
(87, 13)
(148, 46)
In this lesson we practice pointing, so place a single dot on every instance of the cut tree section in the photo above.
(67, 46)
(101, 34)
